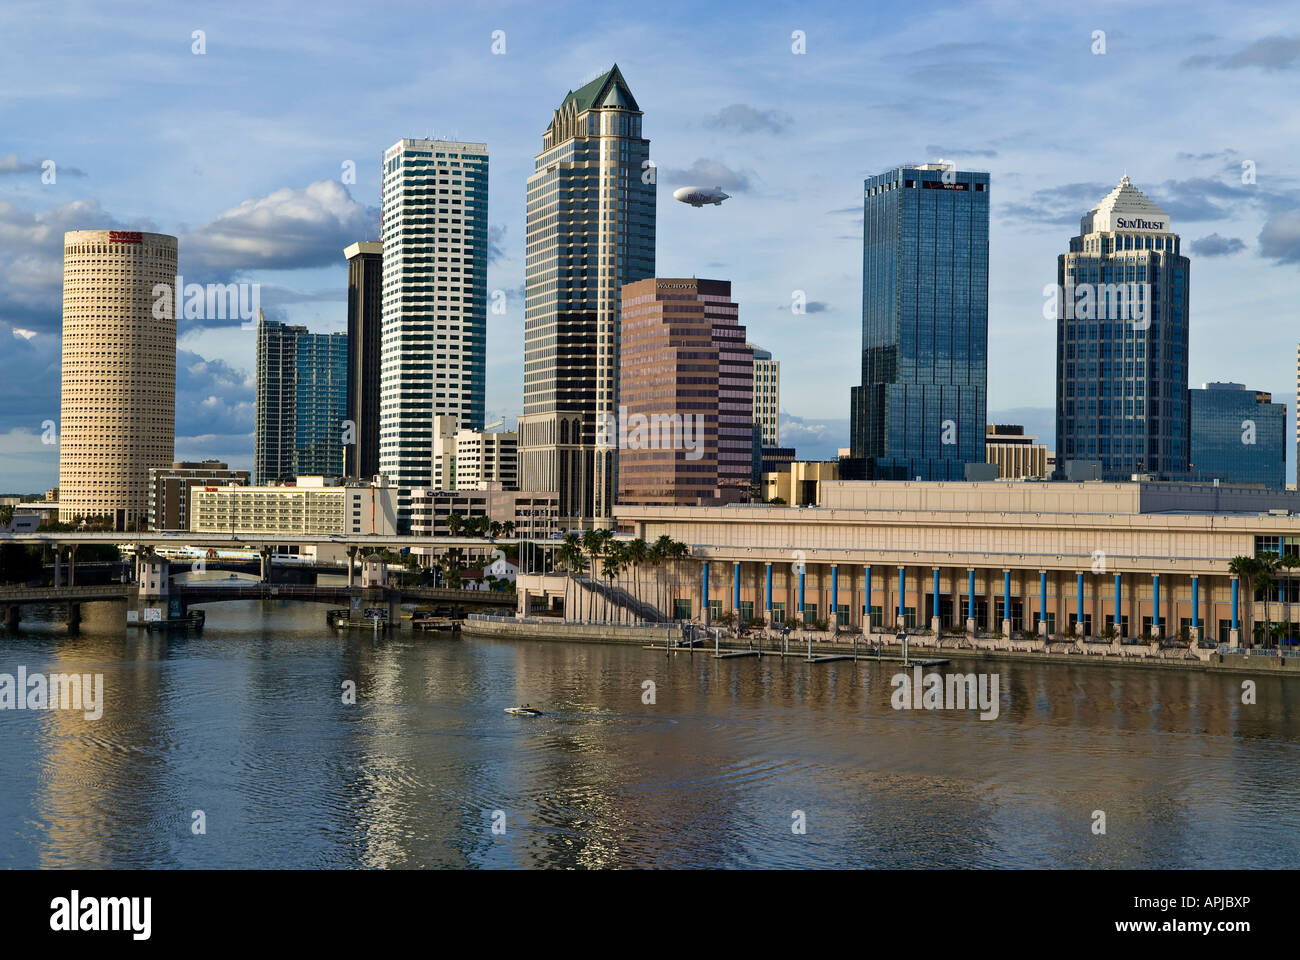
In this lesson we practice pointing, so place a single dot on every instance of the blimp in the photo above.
(699, 196)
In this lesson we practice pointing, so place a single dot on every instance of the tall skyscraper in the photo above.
(365, 330)
(920, 411)
(1238, 435)
(767, 395)
(591, 229)
(686, 417)
(301, 402)
(1121, 341)
(118, 413)
(275, 406)
(435, 210)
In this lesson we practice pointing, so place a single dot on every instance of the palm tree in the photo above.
(1265, 577)
(1287, 563)
(635, 553)
(1244, 569)
(454, 524)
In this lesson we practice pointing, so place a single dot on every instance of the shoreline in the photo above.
(661, 637)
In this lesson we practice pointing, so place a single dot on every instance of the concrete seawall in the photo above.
(577, 632)
(660, 635)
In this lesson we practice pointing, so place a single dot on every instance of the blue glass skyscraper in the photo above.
(1238, 435)
(921, 409)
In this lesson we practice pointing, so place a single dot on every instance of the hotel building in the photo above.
(590, 230)
(434, 342)
(118, 411)
(685, 426)
(312, 506)
(920, 411)
(1121, 342)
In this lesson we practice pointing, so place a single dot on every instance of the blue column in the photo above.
(1196, 602)
(802, 570)
(1006, 596)
(1119, 607)
(970, 594)
(902, 591)
(735, 588)
(835, 597)
(704, 572)
(1155, 600)
(934, 607)
(767, 595)
(1078, 583)
(1042, 595)
(866, 597)
(1234, 603)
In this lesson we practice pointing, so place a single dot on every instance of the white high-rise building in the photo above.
(487, 457)
(767, 394)
(433, 353)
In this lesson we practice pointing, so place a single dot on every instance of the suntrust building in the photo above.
(1122, 342)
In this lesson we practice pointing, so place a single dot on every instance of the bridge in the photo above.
(12, 599)
(533, 553)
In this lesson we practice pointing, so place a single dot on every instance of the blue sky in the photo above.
(240, 152)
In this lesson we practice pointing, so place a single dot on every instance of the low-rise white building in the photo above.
(313, 506)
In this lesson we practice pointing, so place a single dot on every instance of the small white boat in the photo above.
(523, 711)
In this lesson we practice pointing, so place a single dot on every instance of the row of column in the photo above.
(1080, 595)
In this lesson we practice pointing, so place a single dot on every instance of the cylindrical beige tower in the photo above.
(119, 372)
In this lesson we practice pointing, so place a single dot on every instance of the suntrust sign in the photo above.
(1136, 223)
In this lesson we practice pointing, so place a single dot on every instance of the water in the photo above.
(246, 724)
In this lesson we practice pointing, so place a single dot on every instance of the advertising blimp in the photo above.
(699, 196)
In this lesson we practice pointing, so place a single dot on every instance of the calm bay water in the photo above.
(245, 722)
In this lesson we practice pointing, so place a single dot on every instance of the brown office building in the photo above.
(686, 395)
(169, 489)
(365, 330)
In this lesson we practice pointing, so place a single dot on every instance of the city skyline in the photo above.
(268, 215)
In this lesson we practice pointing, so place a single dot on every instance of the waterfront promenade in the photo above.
(672, 638)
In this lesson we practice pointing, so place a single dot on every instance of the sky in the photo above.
(244, 151)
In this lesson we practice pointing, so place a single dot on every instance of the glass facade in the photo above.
(321, 399)
(1238, 436)
(301, 403)
(921, 408)
(1122, 342)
